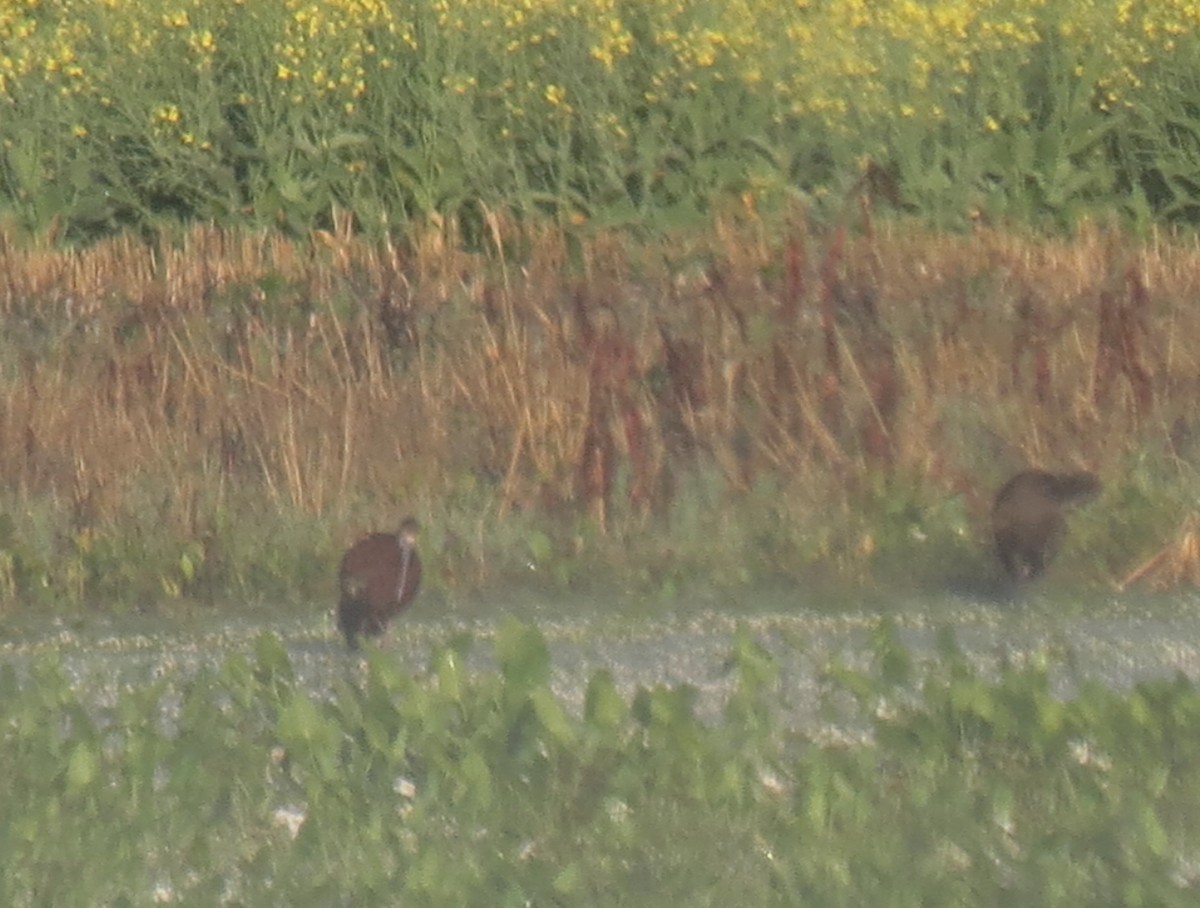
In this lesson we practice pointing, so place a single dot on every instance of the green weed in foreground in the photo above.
(442, 788)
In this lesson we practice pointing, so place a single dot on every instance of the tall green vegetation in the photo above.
(631, 112)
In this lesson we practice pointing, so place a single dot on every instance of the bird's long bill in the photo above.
(406, 550)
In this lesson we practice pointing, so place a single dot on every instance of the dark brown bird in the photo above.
(379, 577)
(1029, 517)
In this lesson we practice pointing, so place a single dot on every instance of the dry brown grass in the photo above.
(584, 374)
(1175, 564)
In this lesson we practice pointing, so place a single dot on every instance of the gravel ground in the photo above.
(1118, 640)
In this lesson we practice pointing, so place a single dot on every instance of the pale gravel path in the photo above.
(1117, 641)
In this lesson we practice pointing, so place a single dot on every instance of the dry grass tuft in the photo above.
(1174, 565)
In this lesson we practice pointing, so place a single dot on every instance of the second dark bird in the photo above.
(1029, 518)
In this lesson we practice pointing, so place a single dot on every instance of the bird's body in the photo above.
(1029, 518)
(379, 576)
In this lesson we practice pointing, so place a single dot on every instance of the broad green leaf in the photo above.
(550, 713)
(81, 768)
(523, 655)
(603, 706)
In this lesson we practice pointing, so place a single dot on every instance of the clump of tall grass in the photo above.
(219, 417)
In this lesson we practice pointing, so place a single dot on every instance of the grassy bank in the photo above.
(236, 786)
(618, 112)
(216, 417)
